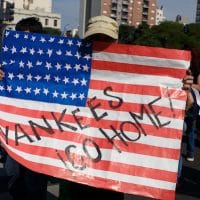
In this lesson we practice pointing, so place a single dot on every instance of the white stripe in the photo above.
(98, 173)
(111, 115)
(154, 141)
(123, 157)
(141, 60)
(136, 79)
(131, 98)
(140, 99)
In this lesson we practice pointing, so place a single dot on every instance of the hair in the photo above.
(31, 24)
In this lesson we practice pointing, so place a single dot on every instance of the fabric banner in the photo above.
(105, 115)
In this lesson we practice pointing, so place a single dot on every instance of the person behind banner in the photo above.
(192, 116)
(101, 29)
(24, 183)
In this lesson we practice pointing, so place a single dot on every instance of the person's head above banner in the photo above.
(30, 24)
(102, 28)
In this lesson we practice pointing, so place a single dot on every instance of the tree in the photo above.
(126, 34)
(166, 34)
(52, 31)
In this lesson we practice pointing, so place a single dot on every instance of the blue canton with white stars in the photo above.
(45, 68)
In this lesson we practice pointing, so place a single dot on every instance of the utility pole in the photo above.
(88, 9)
(6, 14)
(6, 11)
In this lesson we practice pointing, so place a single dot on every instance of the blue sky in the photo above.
(69, 10)
(172, 8)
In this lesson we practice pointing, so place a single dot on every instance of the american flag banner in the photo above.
(105, 115)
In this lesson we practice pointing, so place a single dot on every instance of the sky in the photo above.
(69, 10)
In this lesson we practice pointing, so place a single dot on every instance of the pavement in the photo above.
(189, 189)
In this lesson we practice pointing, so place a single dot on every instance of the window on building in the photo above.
(55, 22)
(46, 22)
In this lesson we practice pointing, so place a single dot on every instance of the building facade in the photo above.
(130, 12)
(198, 12)
(36, 8)
(160, 15)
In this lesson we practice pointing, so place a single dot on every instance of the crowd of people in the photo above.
(23, 183)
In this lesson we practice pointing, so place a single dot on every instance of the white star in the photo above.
(77, 67)
(4, 63)
(11, 76)
(66, 80)
(13, 50)
(55, 94)
(69, 42)
(59, 52)
(25, 36)
(32, 51)
(45, 91)
(38, 63)
(68, 67)
(5, 48)
(12, 62)
(61, 41)
(7, 33)
(19, 89)
(33, 38)
(2, 88)
(47, 77)
(82, 96)
(29, 64)
(57, 79)
(51, 39)
(64, 95)
(9, 88)
(83, 82)
(68, 53)
(88, 44)
(48, 65)
(36, 91)
(23, 50)
(85, 68)
(20, 76)
(75, 81)
(58, 66)
(21, 64)
(27, 90)
(42, 39)
(29, 77)
(37, 77)
(87, 57)
(16, 35)
(40, 51)
(78, 55)
(79, 43)
(73, 96)
(49, 52)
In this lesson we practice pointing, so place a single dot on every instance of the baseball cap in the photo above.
(102, 25)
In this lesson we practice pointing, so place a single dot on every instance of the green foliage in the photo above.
(52, 31)
(167, 34)
(126, 34)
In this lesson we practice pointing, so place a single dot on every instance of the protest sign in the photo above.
(106, 115)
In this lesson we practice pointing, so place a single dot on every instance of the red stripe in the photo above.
(102, 165)
(103, 143)
(96, 181)
(154, 52)
(104, 124)
(136, 108)
(139, 69)
(157, 91)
